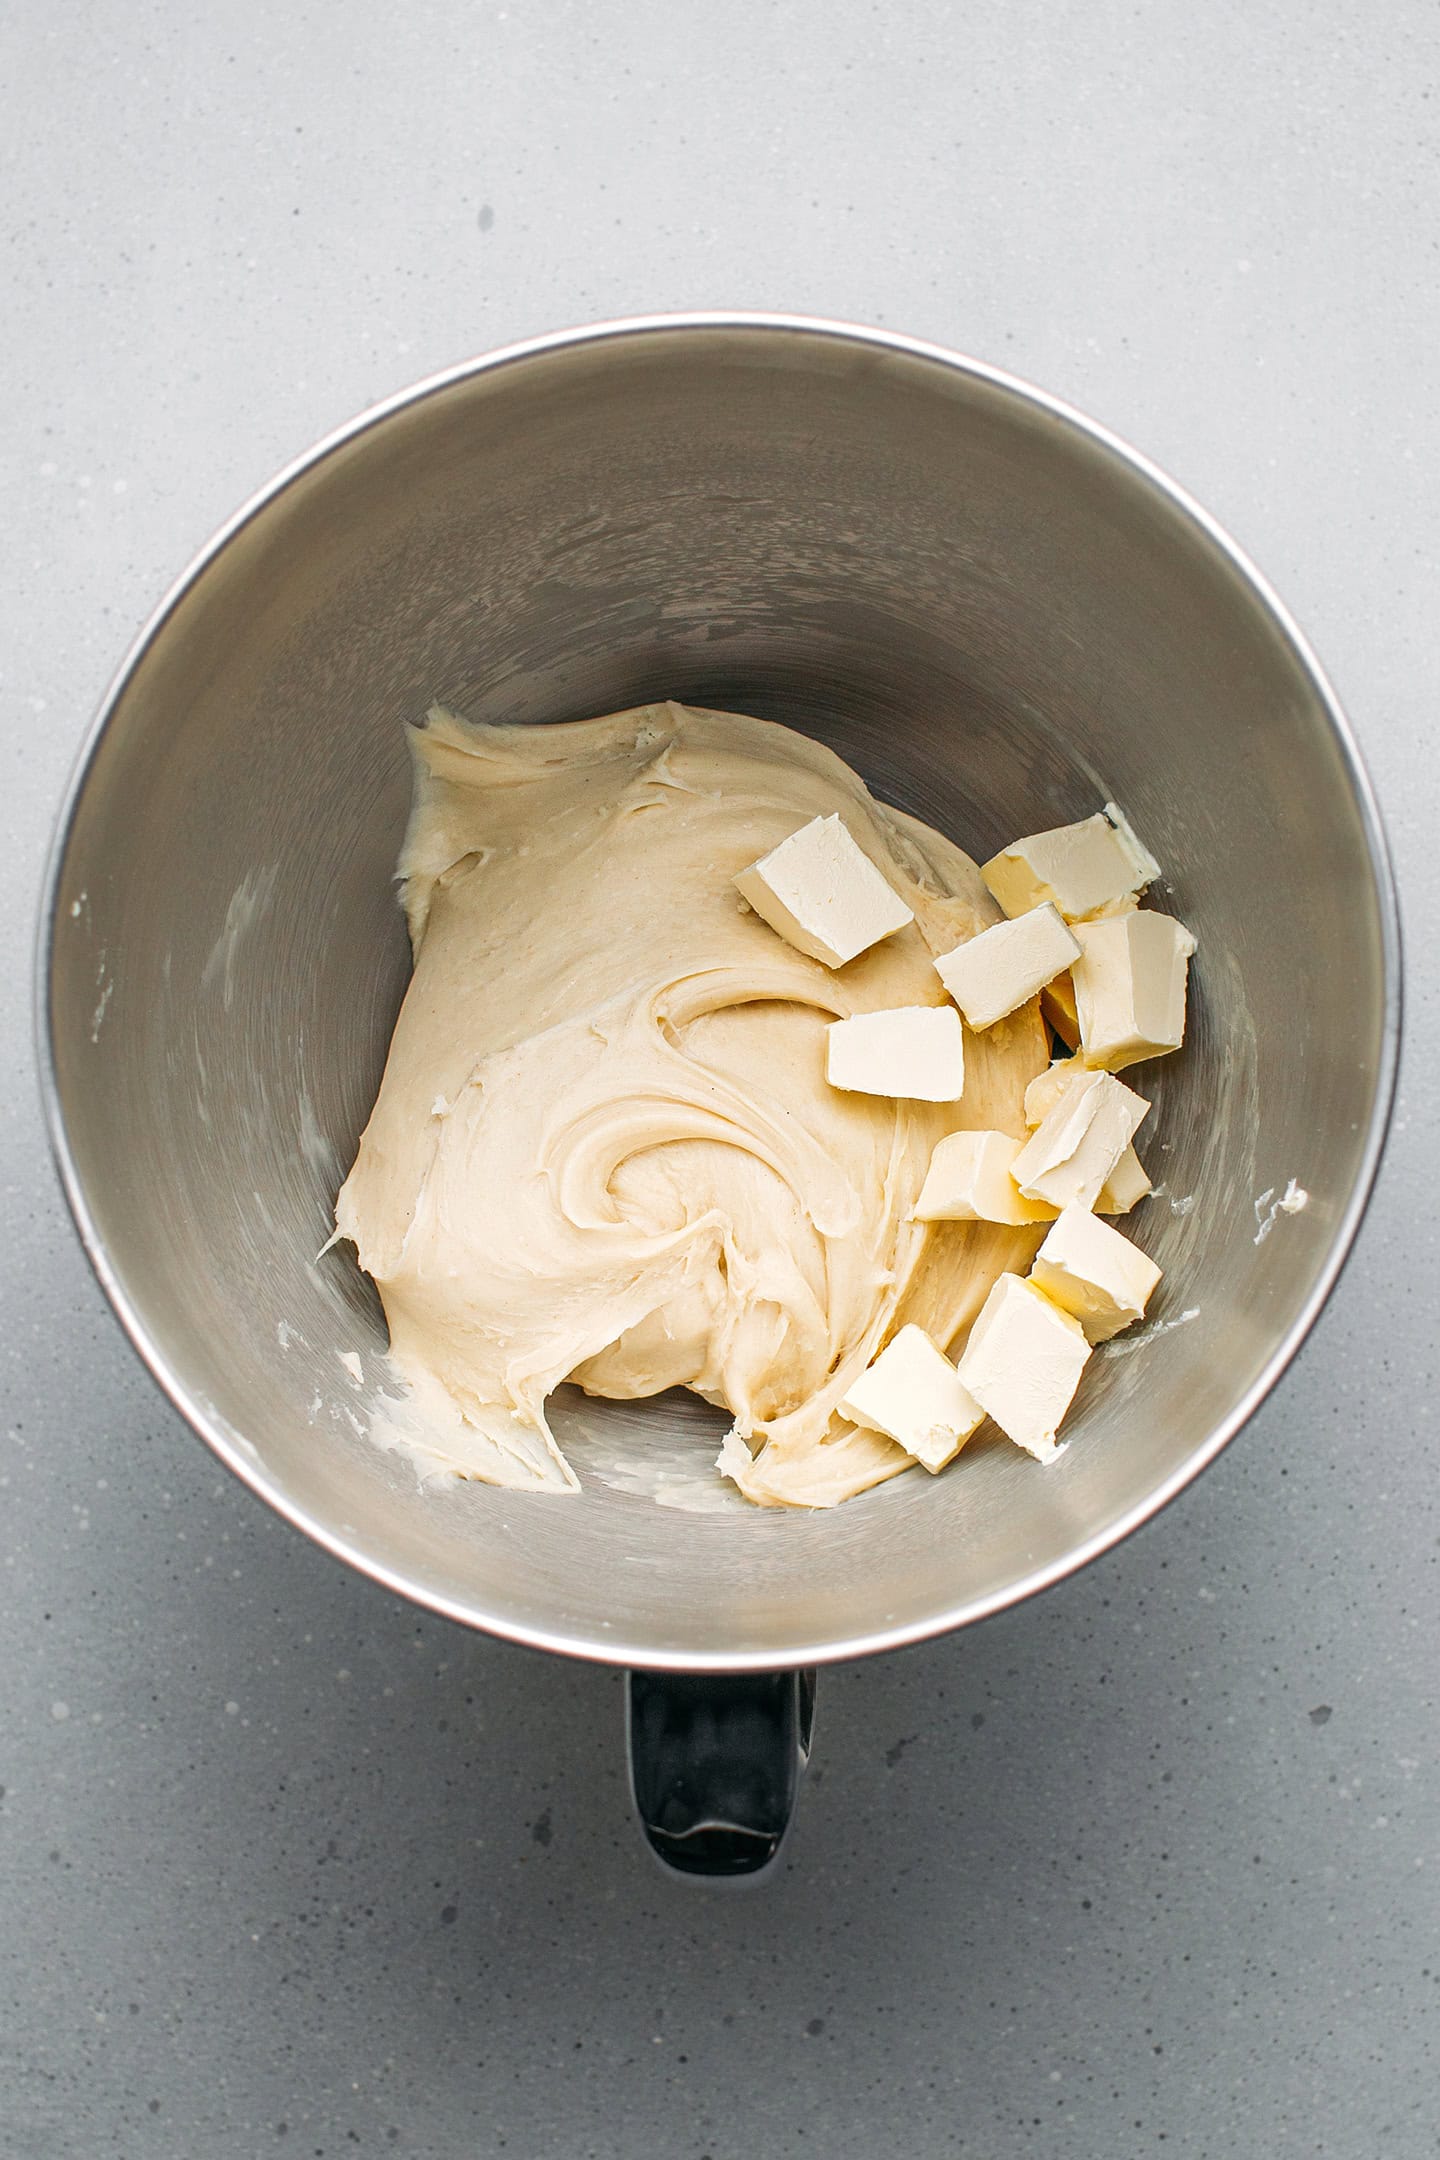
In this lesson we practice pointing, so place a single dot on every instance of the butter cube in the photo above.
(912, 1050)
(1057, 1010)
(1130, 987)
(912, 1394)
(1046, 1089)
(821, 892)
(1134, 847)
(1079, 869)
(1023, 1363)
(1094, 1274)
(1127, 1183)
(997, 971)
(969, 1181)
(1076, 1145)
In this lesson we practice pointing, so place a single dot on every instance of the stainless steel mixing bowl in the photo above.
(1001, 616)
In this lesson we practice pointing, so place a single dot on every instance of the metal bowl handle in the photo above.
(715, 1766)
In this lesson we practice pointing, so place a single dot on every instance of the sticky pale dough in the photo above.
(604, 1148)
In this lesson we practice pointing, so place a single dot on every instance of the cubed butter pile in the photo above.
(1111, 977)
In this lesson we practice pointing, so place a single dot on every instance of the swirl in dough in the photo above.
(604, 1149)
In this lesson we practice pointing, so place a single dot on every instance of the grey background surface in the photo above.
(1147, 1866)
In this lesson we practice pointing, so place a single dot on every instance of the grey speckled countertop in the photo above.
(1149, 1866)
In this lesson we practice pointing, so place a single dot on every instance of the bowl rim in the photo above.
(634, 329)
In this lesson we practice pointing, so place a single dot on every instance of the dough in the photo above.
(604, 1148)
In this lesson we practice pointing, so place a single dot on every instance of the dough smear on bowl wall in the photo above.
(605, 1149)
